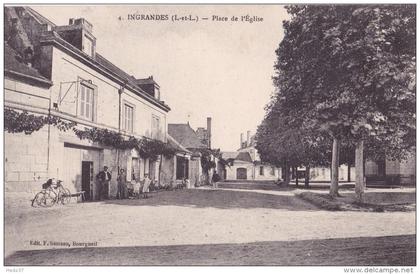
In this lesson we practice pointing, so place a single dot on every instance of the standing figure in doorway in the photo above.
(121, 180)
(146, 185)
(103, 178)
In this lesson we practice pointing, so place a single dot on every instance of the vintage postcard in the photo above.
(210, 135)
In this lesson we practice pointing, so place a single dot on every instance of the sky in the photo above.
(205, 68)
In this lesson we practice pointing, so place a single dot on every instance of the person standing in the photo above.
(122, 181)
(146, 185)
(215, 179)
(103, 178)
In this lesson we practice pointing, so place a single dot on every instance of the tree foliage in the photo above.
(281, 143)
(349, 70)
(343, 72)
(207, 158)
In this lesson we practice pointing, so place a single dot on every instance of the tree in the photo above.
(349, 71)
(283, 143)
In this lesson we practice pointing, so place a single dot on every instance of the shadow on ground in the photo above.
(223, 199)
(389, 197)
(384, 251)
(272, 186)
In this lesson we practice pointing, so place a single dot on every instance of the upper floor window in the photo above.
(155, 127)
(157, 94)
(86, 102)
(128, 118)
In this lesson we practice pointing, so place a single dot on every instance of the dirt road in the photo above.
(202, 226)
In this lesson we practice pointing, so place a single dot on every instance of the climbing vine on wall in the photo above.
(147, 148)
(18, 122)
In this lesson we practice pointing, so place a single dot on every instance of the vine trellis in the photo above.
(18, 122)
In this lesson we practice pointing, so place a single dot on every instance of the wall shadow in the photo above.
(384, 251)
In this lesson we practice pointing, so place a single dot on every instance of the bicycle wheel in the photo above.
(38, 200)
(50, 199)
(66, 196)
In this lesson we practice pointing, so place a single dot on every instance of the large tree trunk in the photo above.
(348, 172)
(160, 168)
(286, 175)
(307, 174)
(360, 182)
(334, 168)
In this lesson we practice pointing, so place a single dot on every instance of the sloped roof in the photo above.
(229, 154)
(13, 63)
(236, 155)
(99, 59)
(41, 19)
(185, 135)
(173, 143)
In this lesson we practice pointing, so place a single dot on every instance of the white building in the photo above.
(56, 70)
(246, 163)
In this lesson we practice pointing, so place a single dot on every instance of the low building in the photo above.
(391, 172)
(245, 164)
(195, 142)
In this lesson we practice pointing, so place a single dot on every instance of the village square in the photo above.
(105, 167)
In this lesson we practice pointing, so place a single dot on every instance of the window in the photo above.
(157, 94)
(261, 170)
(86, 102)
(128, 115)
(272, 171)
(155, 127)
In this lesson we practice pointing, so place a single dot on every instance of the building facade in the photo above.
(55, 70)
(245, 163)
(391, 172)
(195, 141)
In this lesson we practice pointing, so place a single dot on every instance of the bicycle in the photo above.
(48, 196)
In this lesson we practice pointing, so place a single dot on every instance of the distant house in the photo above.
(186, 137)
(193, 141)
(245, 164)
(174, 169)
(388, 172)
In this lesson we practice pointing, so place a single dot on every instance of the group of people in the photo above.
(125, 188)
(131, 188)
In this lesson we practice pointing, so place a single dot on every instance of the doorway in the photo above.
(87, 179)
(241, 173)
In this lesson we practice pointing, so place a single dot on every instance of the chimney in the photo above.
(242, 140)
(248, 138)
(209, 131)
(79, 33)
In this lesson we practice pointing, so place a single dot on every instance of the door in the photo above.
(241, 173)
(181, 168)
(135, 168)
(87, 179)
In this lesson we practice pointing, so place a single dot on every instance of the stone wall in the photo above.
(25, 160)
(167, 170)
